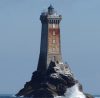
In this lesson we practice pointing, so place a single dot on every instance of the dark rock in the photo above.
(79, 86)
(89, 96)
(43, 93)
(54, 82)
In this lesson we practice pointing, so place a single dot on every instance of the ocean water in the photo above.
(12, 96)
(97, 96)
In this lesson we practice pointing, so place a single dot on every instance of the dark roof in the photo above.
(50, 7)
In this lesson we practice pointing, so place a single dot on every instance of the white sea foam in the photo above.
(73, 92)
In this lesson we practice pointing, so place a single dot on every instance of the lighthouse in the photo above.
(52, 77)
(50, 47)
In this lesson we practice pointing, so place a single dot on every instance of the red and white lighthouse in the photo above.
(50, 48)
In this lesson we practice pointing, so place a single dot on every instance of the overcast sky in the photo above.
(20, 31)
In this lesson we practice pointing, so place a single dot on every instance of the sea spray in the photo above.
(74, 92)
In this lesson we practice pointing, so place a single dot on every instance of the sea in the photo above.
(12, 96)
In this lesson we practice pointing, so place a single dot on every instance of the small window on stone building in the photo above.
(54, 33)
(54, 41)
(53, 49)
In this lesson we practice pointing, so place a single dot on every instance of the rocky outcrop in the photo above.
(55, 82)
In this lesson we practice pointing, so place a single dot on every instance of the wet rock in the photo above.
(89, 96)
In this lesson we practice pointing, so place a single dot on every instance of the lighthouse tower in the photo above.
(50, 48)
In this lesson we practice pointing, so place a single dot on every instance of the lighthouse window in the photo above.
(54, 41)
(53, 49)
(53, 25)
(54, 33)
(56, 21)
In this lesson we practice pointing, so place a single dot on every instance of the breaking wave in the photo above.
(73, 92)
